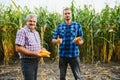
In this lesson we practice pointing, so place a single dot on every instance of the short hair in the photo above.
(66, 9)
(29, 16)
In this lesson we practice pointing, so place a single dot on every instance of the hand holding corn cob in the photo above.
(45, 53)
(78, 40)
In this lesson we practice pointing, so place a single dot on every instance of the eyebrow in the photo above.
(67, 13)
(31, 20)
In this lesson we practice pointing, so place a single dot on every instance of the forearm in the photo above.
(24, 51)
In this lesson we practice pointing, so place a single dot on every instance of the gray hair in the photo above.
(29, 16)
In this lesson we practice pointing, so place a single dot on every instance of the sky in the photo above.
(58, 5)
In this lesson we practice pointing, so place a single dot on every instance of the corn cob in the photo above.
(45, 53)
(78, 38)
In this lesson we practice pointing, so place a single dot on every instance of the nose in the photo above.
(67, 14)
(32, 22)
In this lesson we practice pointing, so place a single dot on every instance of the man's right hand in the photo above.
(37, 54)
(59, 40)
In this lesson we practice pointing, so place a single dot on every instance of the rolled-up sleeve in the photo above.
(56, 33)
(20, 38)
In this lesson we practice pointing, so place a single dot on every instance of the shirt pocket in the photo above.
(30, 40)
(62, 33)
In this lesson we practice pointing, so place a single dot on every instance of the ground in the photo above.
(50, 71)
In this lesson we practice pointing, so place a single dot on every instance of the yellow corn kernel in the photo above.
(78, 38)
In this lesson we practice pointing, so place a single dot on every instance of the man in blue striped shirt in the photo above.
(65, 35)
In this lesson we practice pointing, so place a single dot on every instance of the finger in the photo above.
(58, 37)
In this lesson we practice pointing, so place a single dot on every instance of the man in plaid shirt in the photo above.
(65, 35)
(28, 46)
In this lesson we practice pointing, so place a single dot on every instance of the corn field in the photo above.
(101, 31)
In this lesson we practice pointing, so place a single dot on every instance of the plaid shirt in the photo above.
(68, 33)
(29, 40)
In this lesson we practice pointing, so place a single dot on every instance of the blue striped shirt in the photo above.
(68, 33)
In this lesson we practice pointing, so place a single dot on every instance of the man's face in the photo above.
(67, 15)
(31, 23)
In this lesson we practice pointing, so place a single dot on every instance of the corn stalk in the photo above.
(43, 29)
(99, 42)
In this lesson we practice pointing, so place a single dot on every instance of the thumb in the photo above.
(58, 37)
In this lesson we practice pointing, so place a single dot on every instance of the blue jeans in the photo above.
(29, 68)
(74, 64)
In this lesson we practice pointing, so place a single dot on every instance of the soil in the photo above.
(50, 71)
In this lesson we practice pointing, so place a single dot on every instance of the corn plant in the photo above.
(101, 31)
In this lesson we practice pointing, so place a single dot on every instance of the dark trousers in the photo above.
(29, 68)
(74, 64)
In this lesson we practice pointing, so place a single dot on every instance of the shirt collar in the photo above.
(66, 24)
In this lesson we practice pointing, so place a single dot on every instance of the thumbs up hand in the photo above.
(59, 40)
